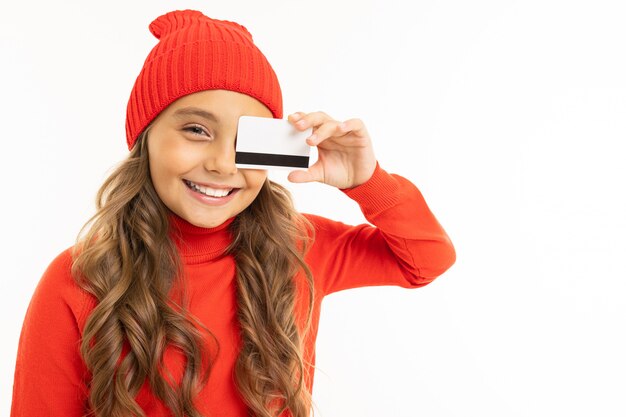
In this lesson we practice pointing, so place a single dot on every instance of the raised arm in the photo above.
(406, 246)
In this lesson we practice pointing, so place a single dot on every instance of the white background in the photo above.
(508, 115)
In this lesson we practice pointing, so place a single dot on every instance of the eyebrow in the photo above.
(196, 111)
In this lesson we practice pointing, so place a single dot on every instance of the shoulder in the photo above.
(56, 293)
(57, 275)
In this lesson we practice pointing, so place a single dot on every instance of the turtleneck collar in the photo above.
(199, 244)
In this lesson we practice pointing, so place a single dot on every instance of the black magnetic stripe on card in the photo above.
(272, 159)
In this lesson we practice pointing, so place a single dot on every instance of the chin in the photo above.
(202, 221)
(197, 221)
(213, 224)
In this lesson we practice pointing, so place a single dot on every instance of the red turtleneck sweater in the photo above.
(406, 248)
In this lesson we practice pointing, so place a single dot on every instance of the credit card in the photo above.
(269, 143)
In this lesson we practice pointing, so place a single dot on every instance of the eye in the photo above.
(196, 130)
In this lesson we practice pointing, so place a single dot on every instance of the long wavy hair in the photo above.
(125, 257)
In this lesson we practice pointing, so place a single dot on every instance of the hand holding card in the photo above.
(268, 143)
(345, 153)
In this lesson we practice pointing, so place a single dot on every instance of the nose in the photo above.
(222, 158)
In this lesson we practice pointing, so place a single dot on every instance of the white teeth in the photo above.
(210, 191)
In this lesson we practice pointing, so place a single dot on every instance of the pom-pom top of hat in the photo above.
(196, 53)
(176, 20)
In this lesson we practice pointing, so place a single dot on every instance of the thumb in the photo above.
(314, 173)
(300, 176)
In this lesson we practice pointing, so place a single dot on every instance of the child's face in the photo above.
(186, 147)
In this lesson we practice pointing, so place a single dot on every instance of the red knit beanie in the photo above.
(196, 53)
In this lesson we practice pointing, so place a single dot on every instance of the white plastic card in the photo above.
(268, 143)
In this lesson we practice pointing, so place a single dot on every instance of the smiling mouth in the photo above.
(208, 191)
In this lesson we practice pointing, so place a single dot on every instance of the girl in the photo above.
(196, 290)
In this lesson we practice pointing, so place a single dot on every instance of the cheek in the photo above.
(255, 179)
(171, 159)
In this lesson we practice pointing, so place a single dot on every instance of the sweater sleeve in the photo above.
(50, 376)
(403, 246)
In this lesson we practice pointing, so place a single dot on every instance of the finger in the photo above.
(295, 116)
(355, 126)
(307, 120)
(323, 132)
